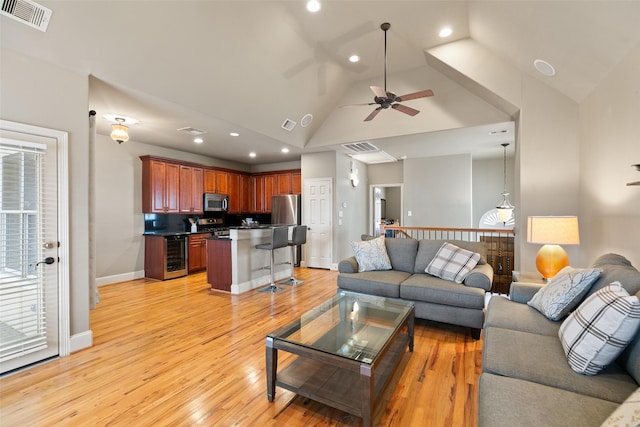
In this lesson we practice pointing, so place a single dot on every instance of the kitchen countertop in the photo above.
(173, 233)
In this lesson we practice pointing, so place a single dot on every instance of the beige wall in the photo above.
(610, 143)
(40, 94)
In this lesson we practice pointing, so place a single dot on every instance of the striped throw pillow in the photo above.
(452, 263)
(600, 329)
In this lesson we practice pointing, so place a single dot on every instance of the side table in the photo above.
(525, 277)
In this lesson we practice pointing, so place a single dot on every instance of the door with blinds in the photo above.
(29, 244)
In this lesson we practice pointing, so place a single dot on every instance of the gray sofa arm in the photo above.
(522, 292)
(349, 265)
(480, 277)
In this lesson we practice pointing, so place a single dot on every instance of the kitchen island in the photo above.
(235, 265)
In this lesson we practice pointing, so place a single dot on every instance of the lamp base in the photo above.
(550, 260)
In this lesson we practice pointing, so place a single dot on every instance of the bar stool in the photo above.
(279, 239)
(298, 237)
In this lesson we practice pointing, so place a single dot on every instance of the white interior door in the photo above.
(30, 273)
(318, 211)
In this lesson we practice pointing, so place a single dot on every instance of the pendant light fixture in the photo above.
(119, 132)
(505, 209)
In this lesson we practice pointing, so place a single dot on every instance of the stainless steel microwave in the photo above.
(216, 202)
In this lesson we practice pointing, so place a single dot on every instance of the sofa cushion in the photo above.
(371, 254)
(630, 357)
(627, 414)
(427, 249)
(564, 291)
(422, 287)
(597, 332)
(452, 263)
(504, 313)
(541, 359)
(616, 268)
(380, 283)
(508, 402)
(402, 253)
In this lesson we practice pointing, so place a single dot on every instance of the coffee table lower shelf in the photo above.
(340, 387)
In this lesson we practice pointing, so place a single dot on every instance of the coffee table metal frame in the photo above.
(352, 383)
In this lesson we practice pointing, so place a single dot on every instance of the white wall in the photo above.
(41, 94)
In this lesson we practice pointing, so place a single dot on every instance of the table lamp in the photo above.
(551, 232)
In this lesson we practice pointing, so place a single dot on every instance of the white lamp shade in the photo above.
(555, 230)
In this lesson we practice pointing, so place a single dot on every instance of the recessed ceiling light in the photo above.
(198, 140)
(285, 150)
(544, 67)
(354, 58)
(445, 32)
(234, 134)
(252, 154)
(313, 6)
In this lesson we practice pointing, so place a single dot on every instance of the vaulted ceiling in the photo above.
(247, 66)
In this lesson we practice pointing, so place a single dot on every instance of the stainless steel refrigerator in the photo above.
(286, 210)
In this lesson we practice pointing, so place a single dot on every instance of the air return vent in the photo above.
(361, 147)
(192, 131)
(288, 124)
(27, 12)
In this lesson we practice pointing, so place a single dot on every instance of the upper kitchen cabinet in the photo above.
(222, 182)
(209, 181)
(160, 186)
(191, 189)
(288, 183)
(233, 190)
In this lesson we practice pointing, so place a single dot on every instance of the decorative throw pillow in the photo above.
(371, 255)
(452, 263)
(564, 291)
(599, 329)
(627, 414)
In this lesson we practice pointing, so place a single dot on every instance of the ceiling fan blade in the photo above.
(404, 109)
(373, 114)
(415, 95)
(356, 105)
(378, 91)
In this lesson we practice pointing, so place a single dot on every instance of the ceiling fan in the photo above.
(385, 99)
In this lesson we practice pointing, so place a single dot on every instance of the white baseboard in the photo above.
(81, 341)
(334, 267)
(107, 280)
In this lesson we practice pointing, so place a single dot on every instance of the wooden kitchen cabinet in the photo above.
(219, 264)
(233, 190)
(296, 183)
(198, 251)
(209, 181)
(191, 189)
(222, 182)
(245, 193)
(160, 186)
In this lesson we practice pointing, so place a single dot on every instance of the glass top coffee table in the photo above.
(348, 348)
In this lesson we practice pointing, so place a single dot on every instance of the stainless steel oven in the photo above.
(175, 262)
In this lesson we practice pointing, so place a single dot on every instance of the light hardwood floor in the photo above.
(176, 353)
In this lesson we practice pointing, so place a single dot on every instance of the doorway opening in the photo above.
(385, 205)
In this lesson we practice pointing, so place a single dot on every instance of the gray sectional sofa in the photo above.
(526, 379)
(435, 298)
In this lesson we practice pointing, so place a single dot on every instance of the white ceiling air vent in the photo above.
(192, 131)
(288, 124)
(27, 12)
(361, 147)
(368, 153)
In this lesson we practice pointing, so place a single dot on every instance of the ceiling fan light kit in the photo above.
(386, 99)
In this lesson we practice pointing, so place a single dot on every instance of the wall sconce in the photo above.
(505, 209)
(353, 175)
(551, 232)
